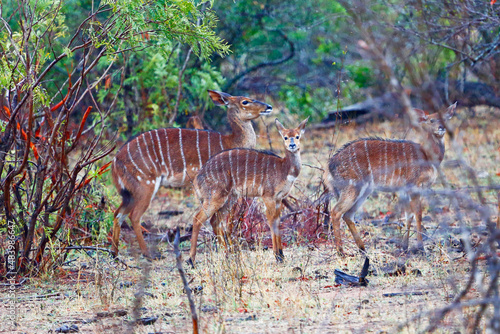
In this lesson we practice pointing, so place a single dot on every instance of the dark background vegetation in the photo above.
(78, 78)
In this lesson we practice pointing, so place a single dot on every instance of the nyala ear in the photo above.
(422, 115)
(450, 112)
(219, 98)
(280, 126)
(302, 125)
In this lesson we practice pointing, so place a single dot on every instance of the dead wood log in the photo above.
(430, 97)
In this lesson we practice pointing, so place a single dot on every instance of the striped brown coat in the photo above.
(249, 173)
(172, 157)
(369, 164)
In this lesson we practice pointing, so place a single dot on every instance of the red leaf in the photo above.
(7, 110)
(104, 168)
(35, 152)
(82, 123)
(57, 106)
(107, 82)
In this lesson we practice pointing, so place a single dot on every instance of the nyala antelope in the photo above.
(248, 173)
(365, 165)
(172, 157)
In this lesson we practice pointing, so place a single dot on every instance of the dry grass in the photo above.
(245, 291)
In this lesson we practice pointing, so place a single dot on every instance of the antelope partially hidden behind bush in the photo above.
(172, 157)
(248, 173)
(369, 164)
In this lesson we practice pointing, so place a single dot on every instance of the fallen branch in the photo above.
(58, 295)
(397, 294)
(169, 213)
(15, 284)
(87, 248)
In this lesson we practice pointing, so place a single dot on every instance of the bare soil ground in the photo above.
(245, 291)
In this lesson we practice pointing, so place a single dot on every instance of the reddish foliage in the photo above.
(53, 185)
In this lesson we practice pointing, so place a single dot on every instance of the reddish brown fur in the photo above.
(248, 173)
(364, 165)
(172, 157)
(194, 122)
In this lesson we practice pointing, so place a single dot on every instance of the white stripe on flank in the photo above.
(231, 167)
(149, 155)
(276, 176)
(360, 171)
(351, 164)
(261, 185)
(220, 140)
(254, 170)
(268, 179)
(168, 153)
(246, 172)
(209, 166)
(220, 167)
(399, 169)
(224, 170)
(132, 160)
(138, 141)
(154, 150)
(368, 160)
(183, 157)
(161, 154)
(211, 172)
(237, 168)
(198, 147)
(208, 140)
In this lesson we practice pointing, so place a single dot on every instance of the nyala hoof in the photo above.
(114, 255)
(280, 257)
(190, 263)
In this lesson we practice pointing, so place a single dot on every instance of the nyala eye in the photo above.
(297, 137)
(245, 102)
(286, 138)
